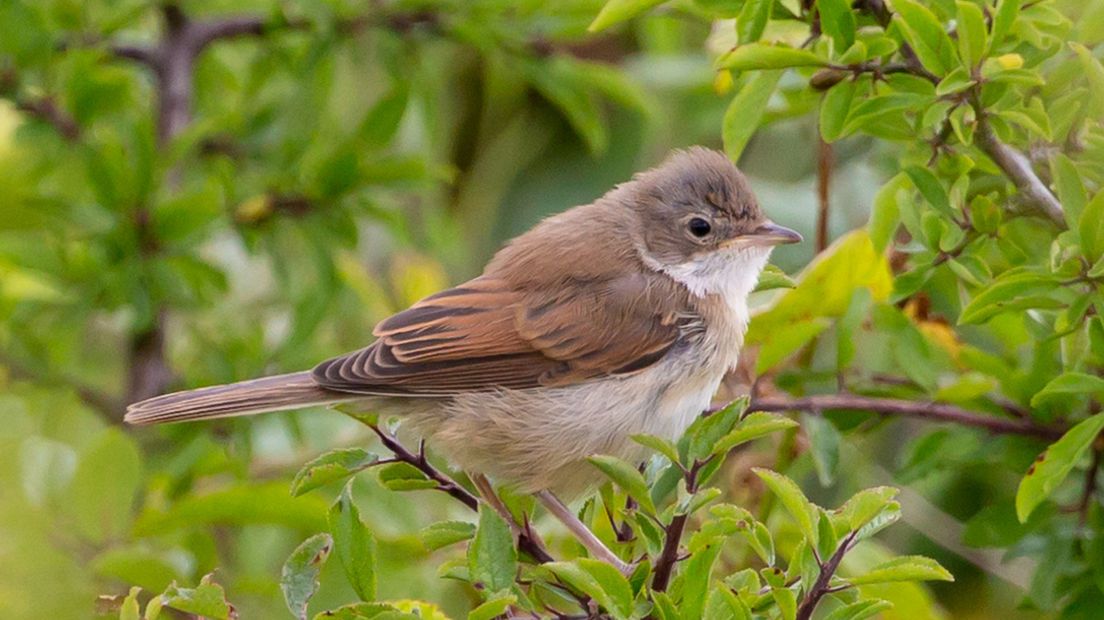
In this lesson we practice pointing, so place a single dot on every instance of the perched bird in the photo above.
(610, 319)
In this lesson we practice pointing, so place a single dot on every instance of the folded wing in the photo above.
(486, 334)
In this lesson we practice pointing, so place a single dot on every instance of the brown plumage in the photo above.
(610, 319)
(568, 301)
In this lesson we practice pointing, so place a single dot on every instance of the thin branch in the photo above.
(668, 556)
(1089, 490)
(142, 54)
(824, 185)
(820, 587)
(939, 412)
(445, 483)
(47, 110)
(1018, 168)
(205, 32)
(100, 401)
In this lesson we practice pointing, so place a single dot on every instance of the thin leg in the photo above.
(596, 547)
(488, 494)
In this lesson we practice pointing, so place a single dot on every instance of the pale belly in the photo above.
(539, 439)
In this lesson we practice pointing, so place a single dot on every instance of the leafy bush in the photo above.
(196, 195)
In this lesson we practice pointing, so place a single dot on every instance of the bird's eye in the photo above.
(699, 227)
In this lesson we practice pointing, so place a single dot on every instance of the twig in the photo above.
(1016, 165)
(1089, 489)
(47, 110)
(106, 404)
(925, 410)
(668, 556)
(450, 486)
(820, 587)
(824, 184)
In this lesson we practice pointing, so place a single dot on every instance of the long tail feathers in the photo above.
(278, 393)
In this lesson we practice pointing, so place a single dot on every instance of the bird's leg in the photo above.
(596, 547)
(486, 491)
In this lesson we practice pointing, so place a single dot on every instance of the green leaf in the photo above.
(859, 610)
(754, 56)
(931, 189)
(972, 37)
(781, 345)
(837, 20)
(1068, 383)
(493, 608)
(251, 504)
(724, 605)
(355, 545)
(834, 109)
(1071, 190)
(705, 432)
(786, 599)
(906, 568)
(627, 478)
(1053, 465)
(299, 577)
(331, 466)
(824, 442)
(924, 33)
(760, 540)
(752, 20)
(746, 110)
(492, 559)
(752, 426)
(367, 611)
(1094, 73)
(1091, 228)
(404, 477)
(1006, 14)
(659, 445)
(698, 572)
(382, 121)
(100, 496)
(772, 278)
(1005, 294)
(886, 214)
(800, 508)
(130, 609)
(616, 11)
(863, 506)
(444, 533)
(207, 600)
(598, 580)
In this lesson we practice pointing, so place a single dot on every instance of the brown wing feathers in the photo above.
(484, 335)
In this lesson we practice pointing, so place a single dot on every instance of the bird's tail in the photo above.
(277, 393)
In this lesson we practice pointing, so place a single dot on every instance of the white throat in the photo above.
(732, 274)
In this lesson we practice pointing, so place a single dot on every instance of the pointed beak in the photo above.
(769, 234)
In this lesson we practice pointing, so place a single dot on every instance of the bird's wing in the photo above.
(485, 335)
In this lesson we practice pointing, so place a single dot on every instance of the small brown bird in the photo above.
(611, 319)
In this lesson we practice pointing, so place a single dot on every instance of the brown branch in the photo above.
(446, 484)
(938, 412)
(46, 109)
(824, 185)
(821, 586)
(668, 556)
(1089, 490)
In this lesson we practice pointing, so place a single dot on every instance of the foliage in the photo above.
(310, 167)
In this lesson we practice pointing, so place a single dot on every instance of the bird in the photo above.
(613, 318)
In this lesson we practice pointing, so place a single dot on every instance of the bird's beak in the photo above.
(767, 235)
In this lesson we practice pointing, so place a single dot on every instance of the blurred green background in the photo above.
(335, 165)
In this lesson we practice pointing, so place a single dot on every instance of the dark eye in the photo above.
(699, 227)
